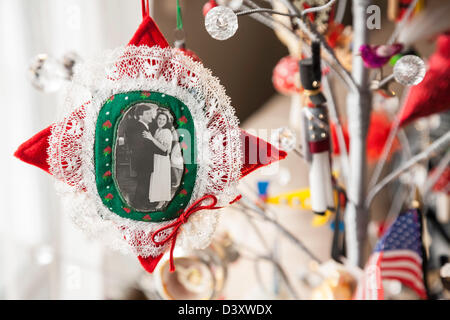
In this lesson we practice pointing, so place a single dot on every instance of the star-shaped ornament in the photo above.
(148, 149)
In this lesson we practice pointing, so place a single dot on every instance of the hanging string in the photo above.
(179, 18)
(145, 8)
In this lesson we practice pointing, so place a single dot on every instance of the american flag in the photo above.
(397, 256)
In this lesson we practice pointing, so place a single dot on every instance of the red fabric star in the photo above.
(34, 151)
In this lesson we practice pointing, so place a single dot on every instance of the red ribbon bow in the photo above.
(180, 221)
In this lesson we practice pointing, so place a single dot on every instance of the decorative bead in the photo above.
(284, 139)
(221, 23)
(394, 59)
(409, 70)
(46, 73)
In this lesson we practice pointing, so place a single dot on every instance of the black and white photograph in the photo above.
(149, 162)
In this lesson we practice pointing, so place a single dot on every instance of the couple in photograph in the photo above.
(150, 139)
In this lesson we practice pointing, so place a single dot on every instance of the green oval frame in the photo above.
(108, 120)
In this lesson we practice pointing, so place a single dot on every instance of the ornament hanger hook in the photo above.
(179, 34)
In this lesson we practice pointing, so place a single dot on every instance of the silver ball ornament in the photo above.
(409, 70)
(221, 23)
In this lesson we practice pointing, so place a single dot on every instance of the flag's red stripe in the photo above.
(402, 261)
(418, 283)
(403, 275)
(403, 269)
(400, 257)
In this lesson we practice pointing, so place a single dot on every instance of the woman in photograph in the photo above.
(160, 181)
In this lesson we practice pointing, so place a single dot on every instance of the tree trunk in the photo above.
(358, 115)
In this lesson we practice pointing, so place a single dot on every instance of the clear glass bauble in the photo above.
(221, 23)
(409, 70)
(46, 73)
(284, 139)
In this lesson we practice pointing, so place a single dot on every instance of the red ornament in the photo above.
(34, 151)
(334, 33)
(335, 141)
(285, 76)
(208, 6)
(379, 129)
(443, 183)
(432, 95)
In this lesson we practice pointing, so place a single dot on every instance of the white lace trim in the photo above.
(168, 71)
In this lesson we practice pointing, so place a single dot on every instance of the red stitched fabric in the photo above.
(148, 34)
(34, 150)
(432, 95)
(150, 263)
(257, 153)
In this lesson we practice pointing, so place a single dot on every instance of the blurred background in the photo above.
(42, 253)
